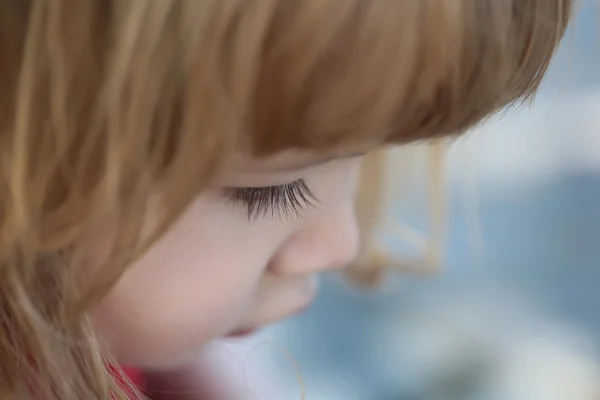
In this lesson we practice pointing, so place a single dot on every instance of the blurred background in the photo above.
(515, 314)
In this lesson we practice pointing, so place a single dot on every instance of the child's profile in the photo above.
(176, 171)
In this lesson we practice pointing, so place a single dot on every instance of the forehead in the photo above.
(290, 160)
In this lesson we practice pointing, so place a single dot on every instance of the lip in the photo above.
(241, 333)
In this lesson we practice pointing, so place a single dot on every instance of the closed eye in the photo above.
(288, 200)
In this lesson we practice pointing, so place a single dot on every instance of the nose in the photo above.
(329, 242)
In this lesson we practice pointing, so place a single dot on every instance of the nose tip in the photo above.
(313, 261)
(330, 245)
(341, 254)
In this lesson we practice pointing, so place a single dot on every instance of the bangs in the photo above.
(105, 99)
(364, 73)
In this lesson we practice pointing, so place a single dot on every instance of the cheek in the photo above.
(194, 285)
(152, 324)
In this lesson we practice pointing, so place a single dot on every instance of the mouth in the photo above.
(241, 333)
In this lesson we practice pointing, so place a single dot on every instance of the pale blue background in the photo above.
(541, 230)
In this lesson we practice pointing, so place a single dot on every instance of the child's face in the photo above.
(217, 272)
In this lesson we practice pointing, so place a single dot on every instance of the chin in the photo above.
(158, 355)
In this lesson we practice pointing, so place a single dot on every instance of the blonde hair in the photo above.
(105, 102)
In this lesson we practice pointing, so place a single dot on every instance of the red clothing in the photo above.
(134, 375)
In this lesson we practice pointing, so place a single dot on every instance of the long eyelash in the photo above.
(285, 200)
